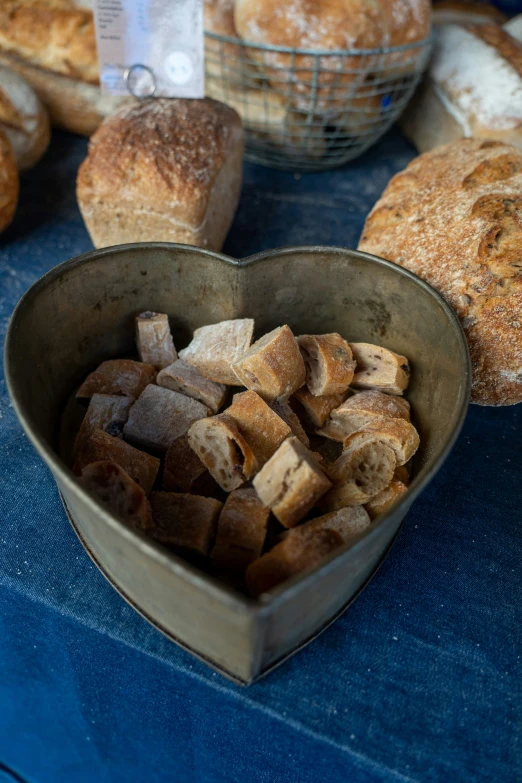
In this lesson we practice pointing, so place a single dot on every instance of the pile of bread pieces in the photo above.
(260, 484)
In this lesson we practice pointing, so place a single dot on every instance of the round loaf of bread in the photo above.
(23, 119)
(473, 88)
(325, 25)
(9, 183)
(453, 217)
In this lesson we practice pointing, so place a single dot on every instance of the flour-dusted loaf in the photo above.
(99, 446)
(452, 217)
(115, 488)
(154, 340)
(327, 26)
(473, 88)
(23, 119)
(214, 349)
(9, 182)
(163, 170)
(291, 482)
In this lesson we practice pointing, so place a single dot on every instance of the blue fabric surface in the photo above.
(419, 681)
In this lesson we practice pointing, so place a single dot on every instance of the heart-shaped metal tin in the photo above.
(82, 312)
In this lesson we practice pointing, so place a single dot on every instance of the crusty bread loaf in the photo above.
(241, 531)
(184, 472)
(23, 119)
(399, 434)
(261, 427)
(350, 522)
(117, 376)
(107, 412)
(473, 88)
(116, 489)
(9, 182)
(223, 450)
(185, 379)
(183, 521)
(163, 170)
(360, 409)
(325, 25)
(154, 340)
(385, 499)
(313, 411)
(329, 363)
(378, 368)
(283, 409)
(362, 471)
(452, 218)
(215, 347)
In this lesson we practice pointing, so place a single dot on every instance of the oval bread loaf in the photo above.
(23, 119)
(453, 217)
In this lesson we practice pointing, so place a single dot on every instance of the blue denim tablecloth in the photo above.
(419, 681)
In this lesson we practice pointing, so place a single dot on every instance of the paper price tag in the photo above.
(151, 47)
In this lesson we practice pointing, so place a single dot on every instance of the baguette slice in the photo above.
(314, 411)
(185, 379)
(289, 558)
(241, 531)
(263, 430)
(115, 488)
(329, 363)
(385, 499)
(160, 416)
(184, 521)
(349, 523)
(273, 367)
(361, 409)
(154, 340)
(361, 472)
(102, 447)
(118, 376)
(223, 450)
(283, 409)
(107, 412)
(378, 368)
(291, 482)
(400, 435)
(215, 348)
(184, 471)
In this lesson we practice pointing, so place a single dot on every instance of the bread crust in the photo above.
(9, 182)
(263, 430)
(399, 434)
(273, 366)
(215, 347)
(118, 376)
(23, 119)
(314, 411)
(164, 169)
(283, 409)
(385, 499)
(100, 446)
(185, 379)
(329, 363)
(349, 522)
(223, 450)
(183, 521)
(360, 409)
(451, 218)
(107, 412)
(379, 368)
(116, 489)
(154, 340)
(241, 531)
(183, 470)
(362, 471)
(291, 482)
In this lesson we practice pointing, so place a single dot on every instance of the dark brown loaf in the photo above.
(453, 217)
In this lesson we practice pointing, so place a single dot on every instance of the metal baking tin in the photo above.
(82, 312)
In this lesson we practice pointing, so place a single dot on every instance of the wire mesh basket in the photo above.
(311, 110)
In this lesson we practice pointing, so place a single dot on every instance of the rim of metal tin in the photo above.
(292, 586)
(322, 52)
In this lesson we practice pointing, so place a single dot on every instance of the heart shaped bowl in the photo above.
(82, 312)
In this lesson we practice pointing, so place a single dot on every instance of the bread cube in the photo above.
(100, 446)
(184, 521)
(118, 376)
(329, 363)
(313, 411)
(185, 379)
(291, 482)
(263, 430)
(273, 367)
(107, 412)
(349, 523)
(385, 499)
(283, 409)
(361, 409)
(241, 531)
(360, 473)
(159, 416)
(290, 557)
(223, 450)
(400, 435)
(216, 347)
(115, 488)
(378, 368)
(154, 340)
(184, 471)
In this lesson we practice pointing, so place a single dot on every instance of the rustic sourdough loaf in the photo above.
(453, 217)
(163, 170)
(473, 88)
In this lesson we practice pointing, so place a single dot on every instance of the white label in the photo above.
(151, 47)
